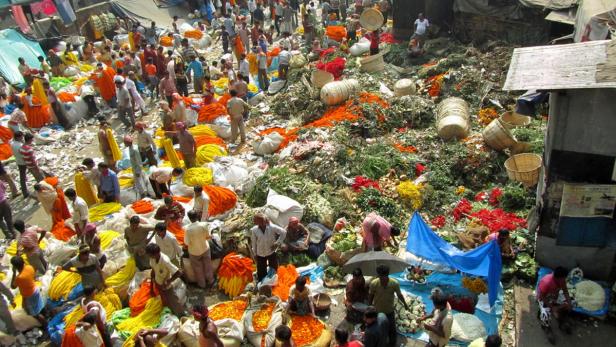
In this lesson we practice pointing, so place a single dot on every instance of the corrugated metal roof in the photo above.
(550, 4)
(571, 66)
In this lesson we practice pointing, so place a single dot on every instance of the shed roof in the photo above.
(570, 66)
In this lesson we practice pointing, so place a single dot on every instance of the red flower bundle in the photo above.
(362, 182)
(498, 219)
(495, 196)
(481, 196)
(419, 169)
(335, 67)
(438, 221)
(462, 209)
(388, 38)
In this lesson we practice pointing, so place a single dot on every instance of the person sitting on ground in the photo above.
(171, 211)
(439, 329)
(91, 239)
(208, 332)
(300, 301)
(163, 273)
(283, 336)
(109, 184)
(548, 296)
(297, 237)
(150, 337)
(342, 339)
(356, 293)
(377, 327)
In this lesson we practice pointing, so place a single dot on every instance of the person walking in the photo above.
(109, 184)
(136, 164)
(125, 103)
(6, 178)
(262, 75)
(26, 151)
(382, 293)
(23, 278)
(236, 108)
(265, 239)
(136, 99)
(168, 243)
(6, 214)
(284, 59)
(196, 239)
(104, 132)
(420, 27)
(167, 87)
(145, 144)
(196, 68)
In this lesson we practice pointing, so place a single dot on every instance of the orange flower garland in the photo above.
(230, 309)
(287, 274)
(193, 34)
(305, 329)
(142, 206)
(435, 83)
(209, 113)
(405, 149)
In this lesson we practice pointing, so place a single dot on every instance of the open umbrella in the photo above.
(369, 261)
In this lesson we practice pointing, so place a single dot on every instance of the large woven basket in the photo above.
(452, 115)
(404, 86)
(371, 19)
(524, 168)
(497, 136)
(373, 63)
(512, 120)
(320, 78)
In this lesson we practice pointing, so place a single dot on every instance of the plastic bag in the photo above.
(222, 127)
(279, 209)
(270, 144)
(361, 47)
(188, 334)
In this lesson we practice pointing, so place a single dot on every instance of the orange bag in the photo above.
(166, 41)
(66, 97)
(221, 199)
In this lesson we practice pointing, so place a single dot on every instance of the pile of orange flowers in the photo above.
(234, 273)
(336, 32)
(166, 41)
(221, 199)
(209, 113)
(230, 309)
(305, 329)
(261, 318)
(405, 149)
(350, 111)
(287, 274)
(193, 34)
(435, 83)
(66, 97)
(487, 115)
(209, 140)
(5, 148)
(140, 298)
(142, 206)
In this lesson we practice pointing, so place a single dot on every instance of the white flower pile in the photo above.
(407, 320)
(467, 327)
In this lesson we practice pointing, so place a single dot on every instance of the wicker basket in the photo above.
(373, 63)
(371, 19)
(512, 120)
(497, 136)
(404, 86)
(320, 78)
(452, 115)
(524, 168)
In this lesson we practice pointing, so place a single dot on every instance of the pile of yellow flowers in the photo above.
(460, 190)
(475, 285)
(411, 193)
(487, 115)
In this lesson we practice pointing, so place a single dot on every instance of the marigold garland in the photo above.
(261, 318)
(287, 274)
(305, 329)
(230, 309)
(487, 115)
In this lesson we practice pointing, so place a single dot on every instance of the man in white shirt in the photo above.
(265, 239)
(244, 68)
(201, 203)
(80, 211)
(421, 27)
(163, 273)
(284, 59)
(160, 179)
(196, 240)
(167, 243)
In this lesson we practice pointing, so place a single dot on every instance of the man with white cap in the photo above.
(136, 164)
(125, 104)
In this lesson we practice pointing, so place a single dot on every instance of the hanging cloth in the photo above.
(65, 11)
(46, 7)
(20, 19)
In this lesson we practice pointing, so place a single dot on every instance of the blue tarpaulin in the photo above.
(484, 260)
(14, 45)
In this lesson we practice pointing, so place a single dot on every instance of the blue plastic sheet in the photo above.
(599, 313)
(55, 327)
(484, 260)
(13, 46)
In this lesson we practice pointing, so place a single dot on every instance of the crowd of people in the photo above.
(134, 78)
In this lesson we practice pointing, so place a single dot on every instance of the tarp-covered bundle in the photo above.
(14, 45)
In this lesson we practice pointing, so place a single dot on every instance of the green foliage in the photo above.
(516, 197)
(283, 182)
(372, 200)
(375, 161)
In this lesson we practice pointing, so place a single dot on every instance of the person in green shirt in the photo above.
(381, 295)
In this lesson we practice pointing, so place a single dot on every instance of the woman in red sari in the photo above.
(37, 114)
(103, 80)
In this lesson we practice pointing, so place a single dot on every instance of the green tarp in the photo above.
(14, 45)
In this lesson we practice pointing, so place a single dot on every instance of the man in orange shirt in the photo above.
(23, 278)
(152, 73)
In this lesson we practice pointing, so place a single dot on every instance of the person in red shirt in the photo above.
(375, 37)
(548, 295)
(342, 339)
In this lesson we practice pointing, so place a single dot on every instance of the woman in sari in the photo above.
(37, 113)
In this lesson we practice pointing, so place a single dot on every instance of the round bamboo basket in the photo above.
(497, 136)
(371, 19)
(373, 63)
(452, 119)
(320, 78)
(404, 86)
(524, 168)
(337, 92)
(512, 120)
